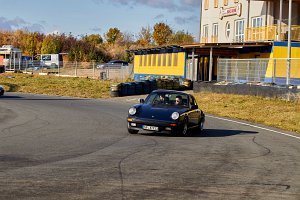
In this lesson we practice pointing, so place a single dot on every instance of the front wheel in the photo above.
(185, 127)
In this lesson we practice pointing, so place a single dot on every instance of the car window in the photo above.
(167, 99)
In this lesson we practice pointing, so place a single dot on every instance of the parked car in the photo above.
(166, 111)
(113, 64)
(1, 90)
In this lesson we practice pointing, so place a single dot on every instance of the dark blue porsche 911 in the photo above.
(166, 111)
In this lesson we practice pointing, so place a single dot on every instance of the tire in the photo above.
(201, 126)
(185, 128)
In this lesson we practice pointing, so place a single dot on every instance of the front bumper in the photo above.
(162, 126)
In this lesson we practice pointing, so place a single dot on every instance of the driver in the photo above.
(178, 100)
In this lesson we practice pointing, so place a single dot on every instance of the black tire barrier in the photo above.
(188, 84)
(131, 89)
(114, 93)
(115, 90)
(153, 85)
(147, 86)
(124, 89)
(2, 69)
(139, 88)
(176, 85)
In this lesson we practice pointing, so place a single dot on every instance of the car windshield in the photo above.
(167, 98)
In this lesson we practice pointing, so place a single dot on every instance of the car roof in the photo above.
(169, 91)
(117, 61)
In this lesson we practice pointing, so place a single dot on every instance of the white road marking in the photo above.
(253, 126)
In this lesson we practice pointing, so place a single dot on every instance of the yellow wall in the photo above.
(172, 66)
(281, 64)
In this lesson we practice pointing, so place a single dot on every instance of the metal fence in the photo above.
(75, 69)
(258, 71)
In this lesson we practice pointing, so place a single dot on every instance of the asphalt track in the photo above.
(71, 148)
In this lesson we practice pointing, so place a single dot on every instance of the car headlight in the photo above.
(132, 111)
(175, 115)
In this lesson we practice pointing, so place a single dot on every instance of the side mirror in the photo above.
(142, 100)
(194, 107)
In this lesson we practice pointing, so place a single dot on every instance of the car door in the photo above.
(194, 114)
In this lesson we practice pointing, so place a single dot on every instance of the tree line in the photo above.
(94, 47)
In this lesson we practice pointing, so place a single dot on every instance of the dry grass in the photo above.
(271, 112)
(58, 86)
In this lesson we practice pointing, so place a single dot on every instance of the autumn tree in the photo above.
(32, 43)
(94, 39)
(144, 38)
(180, 37)
(112, 35)
(161, 33)
(51, 45)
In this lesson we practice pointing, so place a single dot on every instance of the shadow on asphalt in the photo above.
(205, 133)
(223, 133)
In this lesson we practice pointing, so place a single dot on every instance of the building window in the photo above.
(257, 33)
(228, 29)
(206, 4)
(159, 60)
(216, 3)
(154, 60)
(215, 33)
(164, 60)
(145, 60)
(175, 59)
(149, 59)
(257, 22)
(205, 31)
(169, 59)
(225, 2)
(239, 31)
(204, 38)
(141, 60)
(215, 29)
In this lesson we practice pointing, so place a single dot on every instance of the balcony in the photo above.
(204, 39)
(270, 33)
(214, 39)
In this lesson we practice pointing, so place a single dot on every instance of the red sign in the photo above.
(236, 10)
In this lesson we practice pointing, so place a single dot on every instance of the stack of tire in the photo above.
(188, 84)
(153, 85)
(115, 90)
(147, 86)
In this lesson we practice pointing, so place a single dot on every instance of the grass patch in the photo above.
(271, 112)
(57, 86)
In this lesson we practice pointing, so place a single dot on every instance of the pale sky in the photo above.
(81, 17)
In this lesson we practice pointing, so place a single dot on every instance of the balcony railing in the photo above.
(271, 33)
(264, 33)
(204, 39)
(214, 39)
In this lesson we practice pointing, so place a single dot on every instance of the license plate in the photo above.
(150, 128)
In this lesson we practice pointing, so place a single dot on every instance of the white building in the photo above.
(229, 21)
(12, 56)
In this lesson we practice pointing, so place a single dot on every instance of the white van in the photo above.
(51, 60)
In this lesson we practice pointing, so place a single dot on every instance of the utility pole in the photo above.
(289, 45)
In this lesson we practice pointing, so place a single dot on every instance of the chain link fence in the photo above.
(75, 69)
(269, 71)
